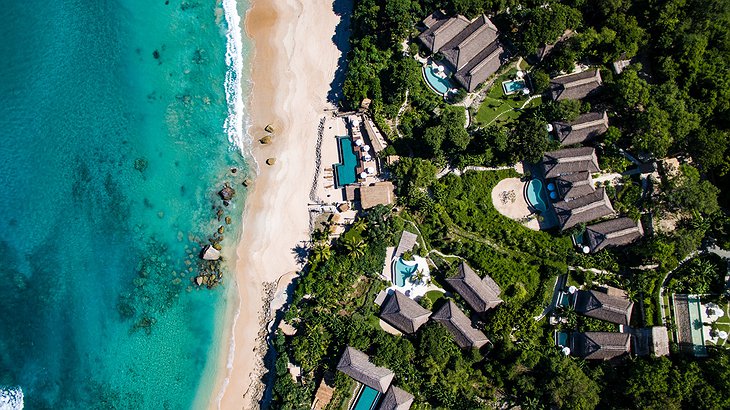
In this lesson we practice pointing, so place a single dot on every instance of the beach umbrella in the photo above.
(370, 170)
(526, 91)
(519, 74)
(722, 334)
(572, 289)
(586, 249)
(363, 175)
(366, 148)
(566, 351)
(358, 142)
(549, 127)
(367, 157)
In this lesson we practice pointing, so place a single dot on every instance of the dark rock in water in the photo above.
(199, 280)
(247, 182)
(234, 170)
(217, 246)
(226, 203)
(221, 229)
(140, 164)
(228, 220)
(227, 193)
(156, 54)
(210, 253)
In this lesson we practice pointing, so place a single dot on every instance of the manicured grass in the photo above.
(434, 295)
(501, 109)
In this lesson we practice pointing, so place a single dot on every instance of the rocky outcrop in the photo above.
(227, 193)
(271, 161)
(210, 253)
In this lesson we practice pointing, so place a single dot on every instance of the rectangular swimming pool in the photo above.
(346, 171)
(368, 398)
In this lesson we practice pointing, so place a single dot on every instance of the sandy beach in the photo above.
(294, 63)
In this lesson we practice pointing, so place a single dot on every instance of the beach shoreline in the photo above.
(294, 62)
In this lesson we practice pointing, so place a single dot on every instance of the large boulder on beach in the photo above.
(265, 140)
(227, 193)
(269, 128)
(210, 253)
(271, 161)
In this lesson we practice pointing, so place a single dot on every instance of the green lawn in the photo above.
(722, 323)
(501, 109)
(434, 295)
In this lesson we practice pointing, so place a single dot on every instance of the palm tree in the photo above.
(354, 247)
(320, 234)
(321, 252)
(360, 225)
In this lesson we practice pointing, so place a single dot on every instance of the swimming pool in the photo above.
(346, 171)
(695, 319)
(561, 339)
(536, 195)
(511, 87)
(438, 84)
(403, 271)
(368, 398)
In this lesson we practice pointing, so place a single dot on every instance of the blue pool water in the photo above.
(441, 85)
(561, 339)
(368, 398)
(536, 195)
(403, 272)
(113, 119)
(511, 87)
(347, 170)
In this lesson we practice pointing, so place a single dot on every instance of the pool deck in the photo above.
(509, 200)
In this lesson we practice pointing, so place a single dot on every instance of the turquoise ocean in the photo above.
(119, 122)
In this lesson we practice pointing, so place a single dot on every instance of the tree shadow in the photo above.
(342, 8)
(301, 253)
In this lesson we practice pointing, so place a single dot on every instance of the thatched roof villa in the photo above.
(585, 128)
(571, 186)
(612, 306)
(460, 326)
(357, 365)
(575, 86)
(616, 232)
(480, 294)
(583, 209)
(471, 47)
(396, 399)
(404, 313)
(569, 161)
(600, 345)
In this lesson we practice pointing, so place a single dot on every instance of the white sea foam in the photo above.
(11, 398)
(236, 125)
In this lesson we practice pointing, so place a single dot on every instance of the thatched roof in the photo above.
(583, 129)
(404, 313)
(356, 364)
(374, 135)
(571, 186)
(459, 325)
(441, 29)
(396, 399)
(659, 341)
(379, 193)
(482, 66)
(570, 161)
(470, 47)
(599, 305)
(616, 232)
(481, 295)
(323, 396)
(583, 209)
(600, 345)
(408, 241)
(575, 86)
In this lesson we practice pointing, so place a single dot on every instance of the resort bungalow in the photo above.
(569, 161)
(612, 306)
(356, 364)
(379, 193)
(583, 209)
(459, 325)
(600, 345)
(575, 86)
(571, 186)
(470, 47)
(583, 129)
(404, 313)
(396, 399)
(480, 294)
(616, 232)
